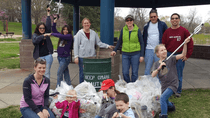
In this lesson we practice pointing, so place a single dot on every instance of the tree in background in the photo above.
(12, 8)
(90, 12)
(38, 9)
(3, 18)
(140, 17)
(119, 21)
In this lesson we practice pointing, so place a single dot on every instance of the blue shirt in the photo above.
(129, 113)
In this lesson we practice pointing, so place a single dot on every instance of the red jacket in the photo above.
(173, 38)
(73, 108)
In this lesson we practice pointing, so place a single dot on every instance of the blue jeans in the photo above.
(164, 103)
(150, 57)
(81, 74)
(28, 113)
(97, 116)
(133, 61)
(179, 67)
(63, 70)
(49, 61)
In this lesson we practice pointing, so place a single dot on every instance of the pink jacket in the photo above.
(73, 108)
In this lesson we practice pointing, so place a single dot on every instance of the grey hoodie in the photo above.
(84, 47)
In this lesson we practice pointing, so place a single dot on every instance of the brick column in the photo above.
(26, 54)
(105, 53)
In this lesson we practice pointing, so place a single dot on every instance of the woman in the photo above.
(84, 45)
(64, 48)
(34, 102)
(132, 49)
(42, 42)
(108, 107)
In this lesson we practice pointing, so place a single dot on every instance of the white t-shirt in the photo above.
(153, 36)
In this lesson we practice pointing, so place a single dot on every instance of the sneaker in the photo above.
(178, 94)
(171, 109)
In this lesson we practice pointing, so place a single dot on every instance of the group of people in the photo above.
(156, 43)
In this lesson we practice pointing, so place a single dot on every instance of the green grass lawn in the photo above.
(10, 39)
(9, 57)
(192, 104)
(15, 27)
(201, 39)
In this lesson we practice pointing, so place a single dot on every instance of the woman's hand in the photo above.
(76, 60)
(47, 34)
(48, 11)
(40, 114)
(111, 47)
(141, 59)
(55, 20)
(113, 53)
(45, 113)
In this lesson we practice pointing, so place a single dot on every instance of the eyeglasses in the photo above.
(128, 20)
(153, 16)
(41, 28)
(174, 18)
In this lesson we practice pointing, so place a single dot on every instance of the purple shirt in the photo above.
(63, 50)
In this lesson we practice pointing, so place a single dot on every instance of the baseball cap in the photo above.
(106, 84)
(129, 16)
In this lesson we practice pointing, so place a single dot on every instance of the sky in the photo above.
(202, 11)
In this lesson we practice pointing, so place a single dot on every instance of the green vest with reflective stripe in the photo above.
(132, 44)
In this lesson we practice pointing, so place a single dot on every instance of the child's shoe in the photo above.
(163, 116)
(171, 109)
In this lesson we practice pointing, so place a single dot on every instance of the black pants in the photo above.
(65, 117)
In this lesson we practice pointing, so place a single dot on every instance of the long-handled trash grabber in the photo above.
(196, 30)
(57, 11)
(49, 5)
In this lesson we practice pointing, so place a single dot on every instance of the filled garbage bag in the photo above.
(144, 96)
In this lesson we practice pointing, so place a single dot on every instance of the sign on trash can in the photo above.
(96, 70)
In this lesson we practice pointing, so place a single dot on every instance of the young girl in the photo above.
(64, 47)
(108, 107)
(169, 81)
(70, 106)
(43, 47)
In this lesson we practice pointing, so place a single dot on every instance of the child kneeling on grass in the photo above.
(122, 104)
(169, 81)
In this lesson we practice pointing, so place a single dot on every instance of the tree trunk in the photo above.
(36, 20)
(4, 24)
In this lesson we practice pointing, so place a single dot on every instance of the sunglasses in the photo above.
(174, 18)
(153, 16)
(40, 60)
(128, 20)
(41, 28)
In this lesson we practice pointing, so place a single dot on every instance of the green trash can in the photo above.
(96, 70)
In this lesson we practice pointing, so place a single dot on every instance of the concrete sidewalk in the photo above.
(196, 75)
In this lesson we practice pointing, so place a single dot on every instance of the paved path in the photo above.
(196, 75)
